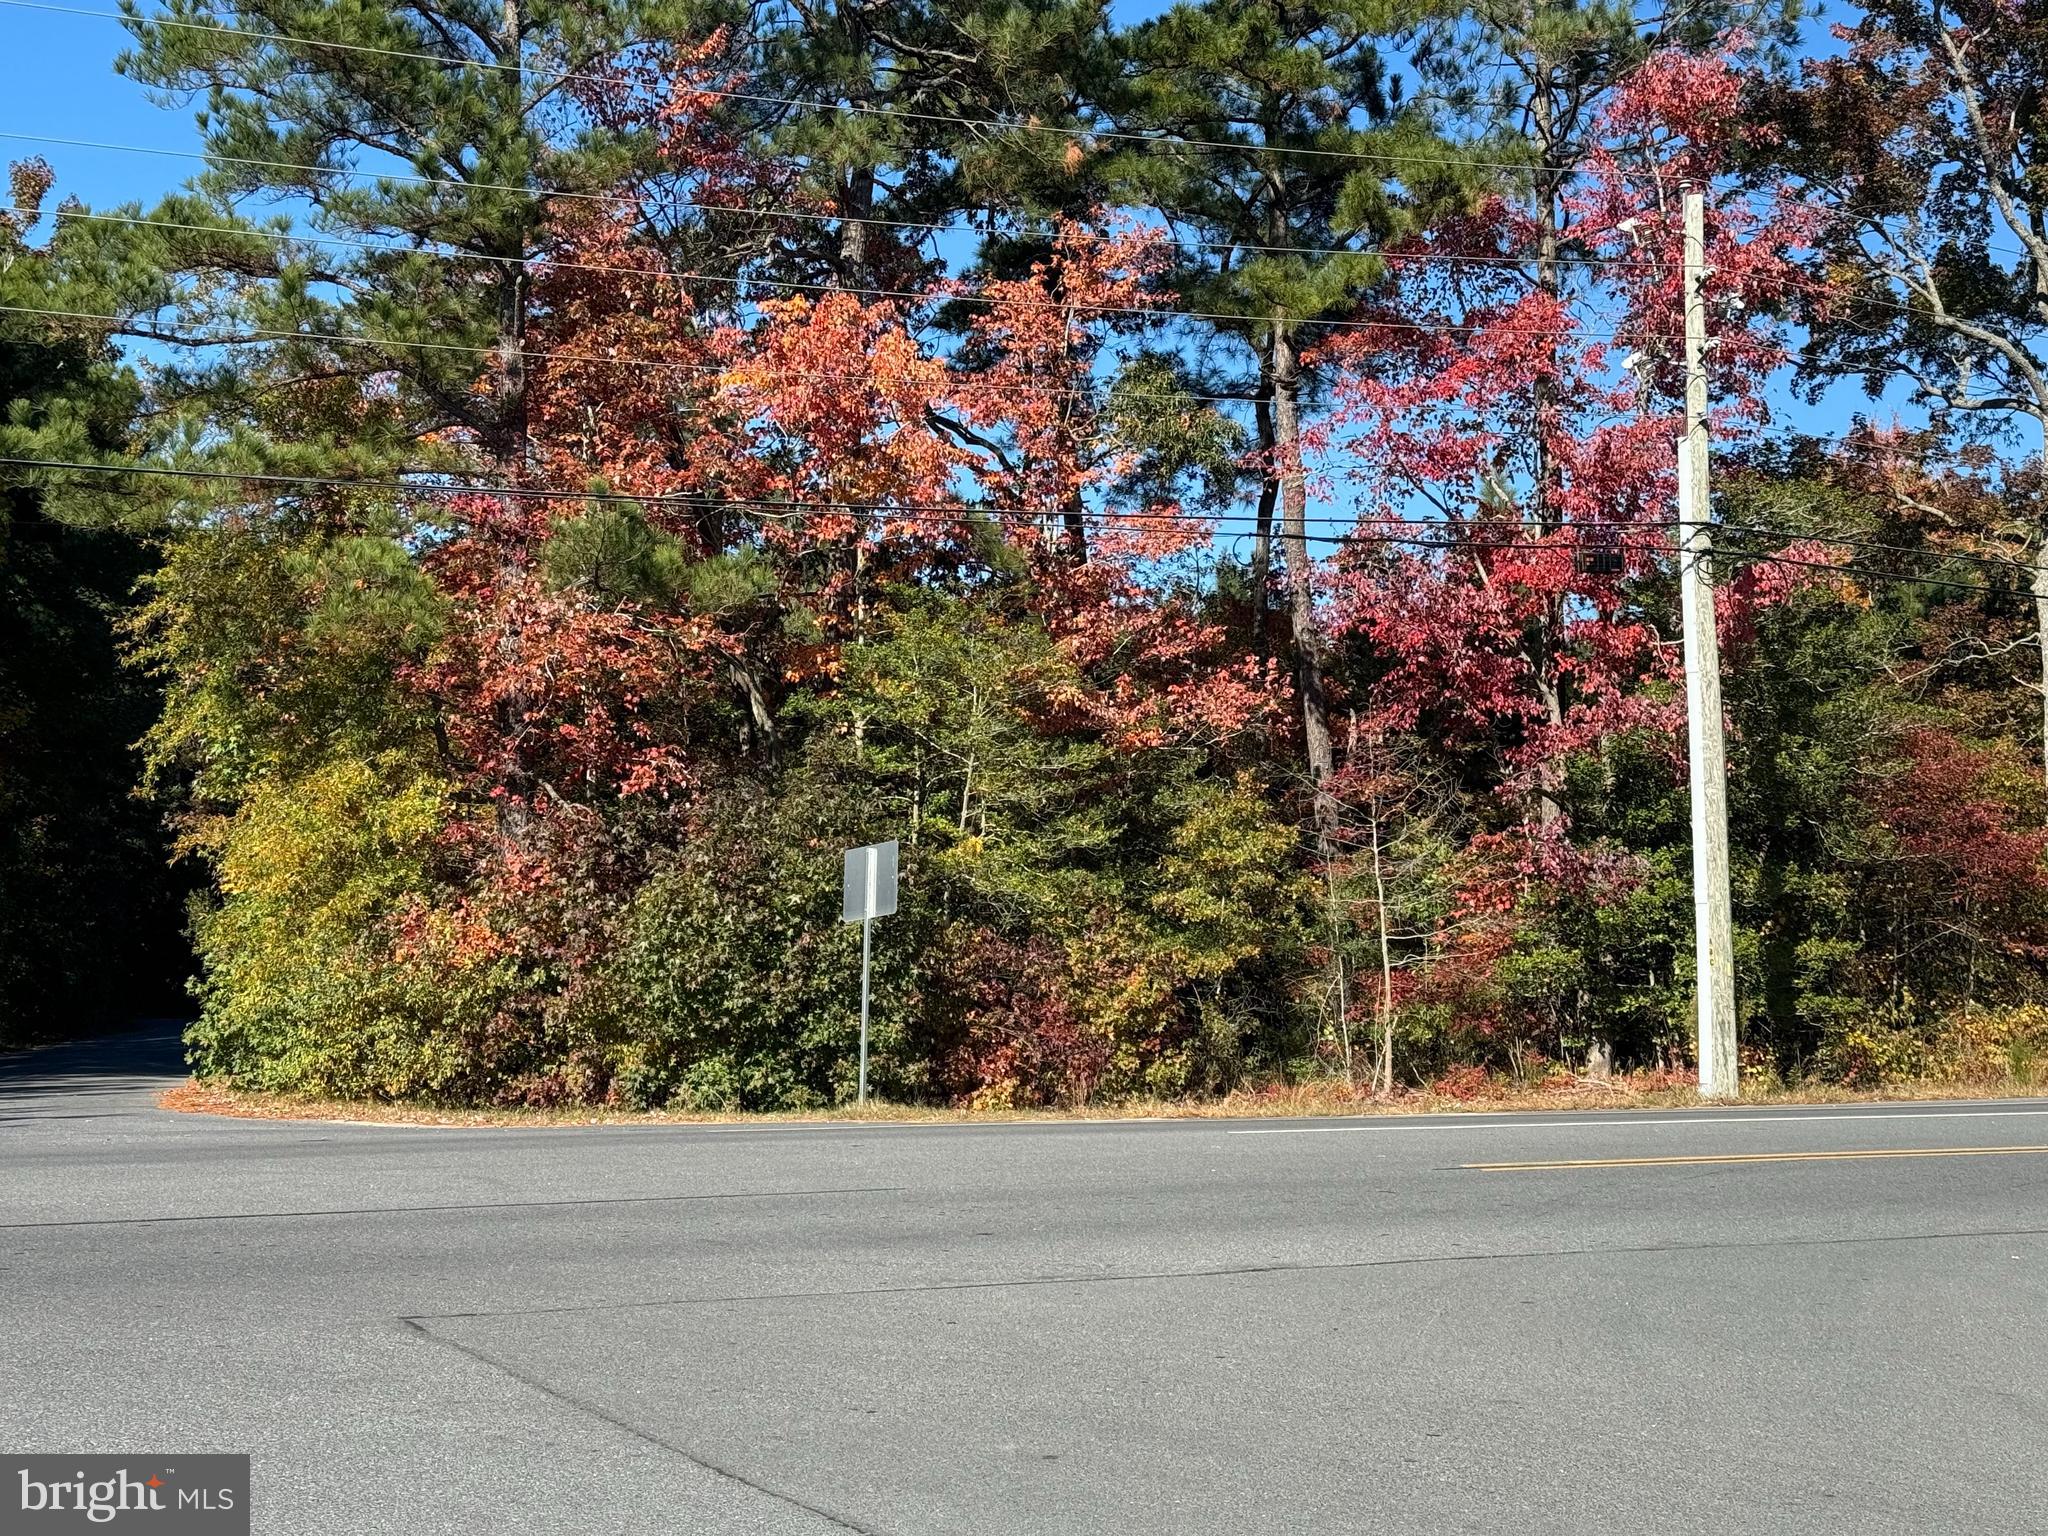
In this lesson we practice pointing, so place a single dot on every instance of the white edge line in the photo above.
(1474, 1120)
(1482, 1123)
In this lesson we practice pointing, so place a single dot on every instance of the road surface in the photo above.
(1706, 1321)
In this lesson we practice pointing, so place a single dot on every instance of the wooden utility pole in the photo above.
(1713, 922)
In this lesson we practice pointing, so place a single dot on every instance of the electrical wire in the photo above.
(1092, 392)
(129, 326)
(1462, 539)
(1151, 312)
(1502, 261)
(1006, 125)
(662, 363)
(1003, 125)
(660, 274)
(618, 200)
(628, 201)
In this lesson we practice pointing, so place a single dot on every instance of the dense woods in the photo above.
(1204, 483)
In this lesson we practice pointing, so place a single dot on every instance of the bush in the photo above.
(2004, 1046)
(735, 985)
(305, 988)
(1871, 1054)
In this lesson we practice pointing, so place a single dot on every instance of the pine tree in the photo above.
(388, 135)
(1308, 164)
(910, 113)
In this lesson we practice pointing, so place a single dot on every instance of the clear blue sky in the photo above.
(57, 78)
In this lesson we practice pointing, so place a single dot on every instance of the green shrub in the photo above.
(1871, 1053)
(734, 984)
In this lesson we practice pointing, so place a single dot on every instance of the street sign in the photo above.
(870, 882)
(870, 893)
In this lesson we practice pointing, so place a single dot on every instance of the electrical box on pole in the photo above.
(1713, 922)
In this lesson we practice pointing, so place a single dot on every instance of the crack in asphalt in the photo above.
(1227, 1272)
(626, 1426)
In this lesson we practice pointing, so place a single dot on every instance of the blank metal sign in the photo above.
(870, 882)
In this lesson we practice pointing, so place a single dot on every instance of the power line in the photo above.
(548, 263)
(1462, 536)
(624, 200)
(769, 509)
(621, 200)
(1747, 557)
(1419, 256)
(707, 368)
(706, 501)
(127, 325)
(132, 326)
(1004, 125)
(1900, 578)
(545, 355)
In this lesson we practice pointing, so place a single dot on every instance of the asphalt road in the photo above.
(1241, 1326)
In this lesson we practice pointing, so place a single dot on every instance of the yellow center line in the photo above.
(1758, 1157)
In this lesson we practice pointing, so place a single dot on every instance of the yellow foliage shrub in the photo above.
(2005, 1046)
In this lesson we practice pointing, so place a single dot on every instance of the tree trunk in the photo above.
(1542, 658)
(1074, 528)
(1262, 527)
(856, 206)
(1301, 584)
(513, 811)
(860, 618)
(1543, 490)
(512, 293)
(1383, 1077)
(2040, 585)
(760, 728)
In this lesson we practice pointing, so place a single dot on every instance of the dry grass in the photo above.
(1299, 1100)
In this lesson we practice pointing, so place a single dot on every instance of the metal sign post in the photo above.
(870, 893)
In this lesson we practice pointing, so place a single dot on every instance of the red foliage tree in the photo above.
(1513, 618)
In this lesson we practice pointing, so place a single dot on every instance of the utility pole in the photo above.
(1713, 922)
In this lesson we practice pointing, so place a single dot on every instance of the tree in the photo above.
(654, 511)
(401, 132)
(1534, 83)
(1526, 622)
(1925, 145)
(905, 116)
(1307, 165)
(88, 908)
(1403, 826)
(1873, 709)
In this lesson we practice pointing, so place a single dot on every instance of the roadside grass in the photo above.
(1275, 1101)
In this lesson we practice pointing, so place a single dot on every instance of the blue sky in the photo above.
(57, 78)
